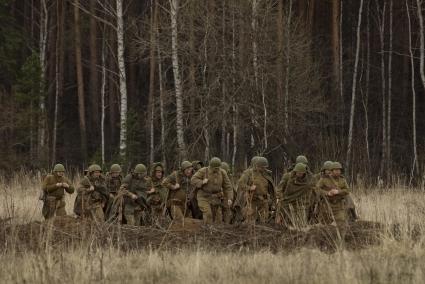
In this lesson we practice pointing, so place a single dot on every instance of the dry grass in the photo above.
(400, 259)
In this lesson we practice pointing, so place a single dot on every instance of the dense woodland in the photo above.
(132, 81)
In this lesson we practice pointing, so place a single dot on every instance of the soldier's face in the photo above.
(115, 174)
(336, 172)
(96, 174)
(60, 174)
(158, 174)
(215, 170)
(188, 172)
(327, 172)
(300, 175)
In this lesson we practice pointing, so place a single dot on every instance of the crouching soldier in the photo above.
(214, 188)
(136, 187)
(54, 187)
(296, 198)
(180, 189)
(257, 186)
(335, 189)
(92, 195)
(115, 203)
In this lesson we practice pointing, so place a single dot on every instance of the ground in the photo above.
(386, 247)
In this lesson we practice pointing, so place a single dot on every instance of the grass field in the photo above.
(396, 260)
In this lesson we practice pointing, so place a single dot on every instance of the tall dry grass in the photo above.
(397, 260)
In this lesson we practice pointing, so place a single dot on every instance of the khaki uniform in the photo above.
(212, 195)
(295, 199)
(334, 209)
(256, 202)
(133, 209)
(90, 204)
(157, 199)
(115, 203)
(54, 197)
(177, 198)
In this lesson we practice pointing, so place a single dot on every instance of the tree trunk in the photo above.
(161, 93)
(422, 41)
(80, 81)
(336, 14)
(234, 106)
(415, 166)
(353, 90)
(288, 57)
(94, 89)
(123, 81)
(177, 80)
(151, 103)
(389, 103)
(279, 85)
(42, 120)
(102, 97)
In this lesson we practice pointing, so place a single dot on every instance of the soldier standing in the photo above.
(335, 189)
(227, 210)
(157, 199)
(92, 195)
(296, 198)
(258, 189)
(113, 183)
(178, 184)
(54, 187)
(214, 188)
(136, 187)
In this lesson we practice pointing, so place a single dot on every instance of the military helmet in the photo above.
(262, 162)
(185, 165)
(254, 160)
(197, 163)
(300, 168)
(301, 159)
(225, 166)
(94, 168)
(158, 167)
(58, 168)
(215, 163)
(140, 169)
(336, 166)
(115, 168)
(327, 165)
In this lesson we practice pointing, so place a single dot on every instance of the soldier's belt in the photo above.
(219, 194)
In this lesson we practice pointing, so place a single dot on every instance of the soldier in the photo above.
(158, 198)
(178, 184)
(136, 187)
(92, 195)
(257, 186)
(54, 186)
(296, 198)
(113, 183)
(197, 165)
(335, 189)
(227, 211)
(286, 175)
(214, 188)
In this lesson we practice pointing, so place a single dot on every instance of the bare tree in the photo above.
(174, 4)
(123, 79)
(42, 123)
(94, 77)
(353, 90)
(389, 103)
(336, 45)
(151, 104)
(422, 41)
(80, 81)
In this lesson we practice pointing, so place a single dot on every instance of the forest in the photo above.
(132, 81)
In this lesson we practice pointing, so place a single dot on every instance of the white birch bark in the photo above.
(102, 98)
(353, 90)
(288, 58)
(44, 18)
(122, 79)
(422, 41)
(389, 103)
(174, 4)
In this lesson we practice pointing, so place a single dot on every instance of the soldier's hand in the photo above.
(152, 190)
(59, 184)
(204, 181)
(278, 219)
(229, 202)
(91, 188)
(253, 187)
(133, 196)
(176, 186)
(64, 184)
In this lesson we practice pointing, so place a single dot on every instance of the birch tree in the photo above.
(174, 4)
(122, 79)
(42, 123)
(389, 102)
(422, 41)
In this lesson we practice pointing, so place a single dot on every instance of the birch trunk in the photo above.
(123, 80)
(288, 57)
(422, 41)
(102, 98)
(389, 103)
(161, 93)
(151, 104)
(234, 107)
(177, 80)
(353, 90)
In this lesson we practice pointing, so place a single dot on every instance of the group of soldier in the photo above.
(205, 192)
